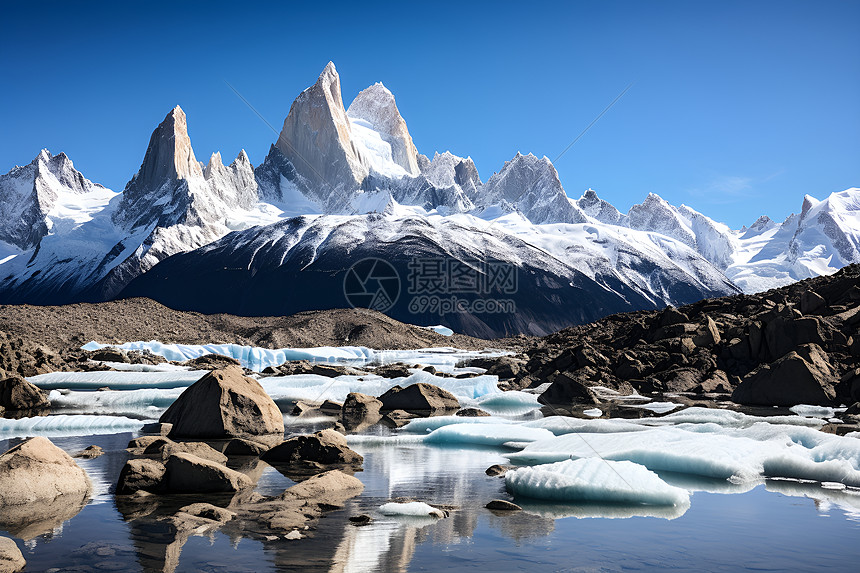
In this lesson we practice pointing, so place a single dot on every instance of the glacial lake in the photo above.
(777, 525)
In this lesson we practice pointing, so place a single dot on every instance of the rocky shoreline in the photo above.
(795, 345)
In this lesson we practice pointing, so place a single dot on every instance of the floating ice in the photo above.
(560, 425)
(594, 480)
(425, 425)
(593, 412)
(727, 418)
(510, 400)
(656, 407)
(144, 402)
(117, 380)
(67, 425)
(410, 509)
(486, 434)
(813, 411)
(256, 358)
(316, 388)
(163, 367)
(711, 450)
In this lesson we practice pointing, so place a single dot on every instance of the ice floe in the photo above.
(117, 380)
(68, 425)
(486, 434)
(410, 509)
(594, 480)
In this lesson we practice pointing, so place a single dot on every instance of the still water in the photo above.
(769, 526)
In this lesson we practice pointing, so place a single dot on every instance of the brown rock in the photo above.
(323, 447)
(811, 302)
(419, 397)
(502, 505)
(11, 559)
(471, 413)
(243, 447)
(90, 452)
(398, 418)
(164, 448)
(187, 473)
(140, 475)
(37, 470)
(567, 388)
(497, 470)
(360, 410)
(19, 394)
(224, 403)
(211, 362)
(396, 370)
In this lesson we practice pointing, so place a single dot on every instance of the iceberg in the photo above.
(594, 480)
(486, 434)
(117, 380)
(68, 425)
(710, 450)
(149, 402)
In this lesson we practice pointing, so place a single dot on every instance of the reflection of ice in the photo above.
(605, 511)
(847, 500)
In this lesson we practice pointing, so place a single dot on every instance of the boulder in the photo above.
(19, 394)
(323, 447)
(396, 370)
(398, 418)
(671, 315)
(187, 473)
(472, 413)
(11, 559)
(800, 377)
(505, 367)
(783, 335)
(502, 505)
(211, 362)
(141, 475)
(164, 448)
(568, 388)
(109, 354)
(243, 447)
(359, 410)
(90, 452)
(306, 367)
(707, 335)
(811, 302)
(37, 470)
(224, 404)
(156, 428)
(419, 397)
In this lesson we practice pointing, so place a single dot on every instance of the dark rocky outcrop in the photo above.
(419, 397)
(803, 376)
(19, 394)
(743, 344)
(211, 362)
(306, 367)
(224, 404)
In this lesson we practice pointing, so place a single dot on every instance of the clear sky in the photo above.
(737, 108)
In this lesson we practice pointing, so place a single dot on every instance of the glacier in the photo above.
(257, 358)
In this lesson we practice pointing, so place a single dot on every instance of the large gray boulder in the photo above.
(187, 473)
(804, 376)
(419, 397)
(36, 470)
(11, 559)
(19, 394)
(224, 404)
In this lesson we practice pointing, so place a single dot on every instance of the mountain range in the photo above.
(344, 209)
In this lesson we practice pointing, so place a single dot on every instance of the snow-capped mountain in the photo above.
(564, 274)
(343, 184)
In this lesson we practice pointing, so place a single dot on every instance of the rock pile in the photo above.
(796, 344)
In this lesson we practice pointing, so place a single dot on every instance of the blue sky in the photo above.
(736, 109)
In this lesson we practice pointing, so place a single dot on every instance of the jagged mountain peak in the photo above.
(376, 107)
(316, 140)
(600, 210)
